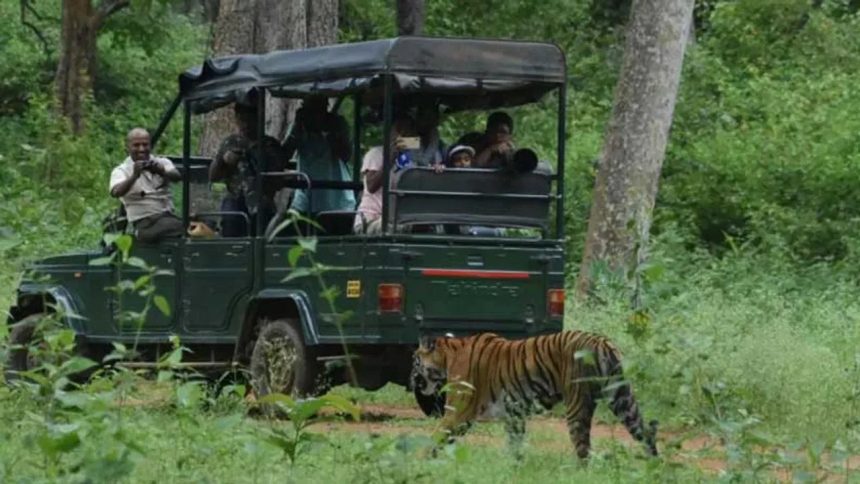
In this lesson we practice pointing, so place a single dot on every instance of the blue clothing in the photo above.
(317, 161)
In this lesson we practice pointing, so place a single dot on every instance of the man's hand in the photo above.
(139, 167)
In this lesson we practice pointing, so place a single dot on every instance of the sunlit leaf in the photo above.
(162, 304)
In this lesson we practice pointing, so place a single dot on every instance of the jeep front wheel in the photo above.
(20, 339)
(280, 362)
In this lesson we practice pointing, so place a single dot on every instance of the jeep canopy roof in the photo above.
(469, 73)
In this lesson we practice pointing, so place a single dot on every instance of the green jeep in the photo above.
(231, 302)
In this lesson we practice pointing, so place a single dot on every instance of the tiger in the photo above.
(517, 378)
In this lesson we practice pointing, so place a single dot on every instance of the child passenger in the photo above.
(460, 156)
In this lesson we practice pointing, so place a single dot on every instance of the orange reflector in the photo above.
(555, 303)
(390, 298)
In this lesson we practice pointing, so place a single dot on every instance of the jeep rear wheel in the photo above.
(280, 362)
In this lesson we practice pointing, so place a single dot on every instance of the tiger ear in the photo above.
(427, 343)
(449, 335)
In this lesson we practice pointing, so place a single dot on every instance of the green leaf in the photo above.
(137, 262)
(587, 357)
(60, 442)
(308, 243)
(101, 261)
(295, 254)
(76, 364)
(123, 243)
(277, 398)
(342, 404)
(189, 394)
(162, 304)
(297, 273)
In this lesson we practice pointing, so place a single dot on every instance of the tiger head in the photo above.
(429, 371)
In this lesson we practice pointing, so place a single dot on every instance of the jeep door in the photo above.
(164, 255)
(217, 274)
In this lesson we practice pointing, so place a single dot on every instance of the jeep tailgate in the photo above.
(481, 287)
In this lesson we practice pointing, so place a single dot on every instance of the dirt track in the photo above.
(703, 451)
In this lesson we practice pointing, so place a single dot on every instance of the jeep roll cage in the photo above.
(461, 74)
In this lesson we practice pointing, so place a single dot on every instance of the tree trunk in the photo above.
(410, 17)
(76, 67)
(635, 144)
(258, 26)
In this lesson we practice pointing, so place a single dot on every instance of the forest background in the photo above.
(753, 278)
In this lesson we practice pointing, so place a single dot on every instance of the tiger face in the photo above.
(429, 373)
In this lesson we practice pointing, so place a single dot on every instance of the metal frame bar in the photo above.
(356, 138)
(165, 120)
(261, 160)
(388, 115)
(186, 164)
(515, 196)
(562, 138)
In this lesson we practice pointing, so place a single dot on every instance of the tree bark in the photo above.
(636, 137)
(410, 17)
(76, 68)
(257, 26)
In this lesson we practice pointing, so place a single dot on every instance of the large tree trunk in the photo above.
(256, 26)
(410, 17)
(76, 68)
(635, 144)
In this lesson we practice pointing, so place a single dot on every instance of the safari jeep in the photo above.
(233, 302)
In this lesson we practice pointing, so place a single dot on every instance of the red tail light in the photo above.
(555, 303)
(390, 298)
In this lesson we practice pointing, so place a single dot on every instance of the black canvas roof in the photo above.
(467, 71)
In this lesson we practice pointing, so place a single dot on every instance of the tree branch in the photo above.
(106, 8)
(26, 7)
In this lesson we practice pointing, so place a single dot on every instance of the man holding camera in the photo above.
(321, 139)
(142, 182)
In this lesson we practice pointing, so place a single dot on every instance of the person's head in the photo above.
(137, 144)
(500, 127)
(314, 110)
(403, 126)
(472, 138)
(246, 118)
(426, 117)
(460, 156)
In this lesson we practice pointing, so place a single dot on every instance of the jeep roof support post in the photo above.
(559, 183)
(387, 115)
(165, 120)
(261, 160)
(186, 164)
(356, 138)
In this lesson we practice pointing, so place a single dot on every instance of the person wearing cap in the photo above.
(497, 145)
(460, 156)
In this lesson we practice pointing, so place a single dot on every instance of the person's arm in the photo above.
(338, 138)
(166, 170)
(291, 144)
(121, 188)
(225, 160)
(373, 178)
(484, 157)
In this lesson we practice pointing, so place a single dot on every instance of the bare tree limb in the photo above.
(106, 8)
(26, 7)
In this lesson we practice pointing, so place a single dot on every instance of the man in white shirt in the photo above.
(142, 182)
